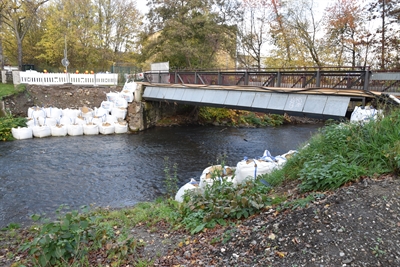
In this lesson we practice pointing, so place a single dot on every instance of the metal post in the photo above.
(366, 80)
(279, 79)
(318, 79)
(246, 78)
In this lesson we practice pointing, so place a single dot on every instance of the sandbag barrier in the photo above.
(109, 118)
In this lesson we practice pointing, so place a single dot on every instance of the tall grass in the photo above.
(344, 152)
(7, 89)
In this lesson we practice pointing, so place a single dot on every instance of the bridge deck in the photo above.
(310, 102)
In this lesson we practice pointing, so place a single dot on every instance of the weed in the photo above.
(171, 181)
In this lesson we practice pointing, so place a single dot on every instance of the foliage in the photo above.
(8, 122)
(221, 201)
(238, 117)
(342, 153)
(61, 239)
(171, 181)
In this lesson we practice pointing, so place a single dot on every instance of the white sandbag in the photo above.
(59, 130)
(86, 113)
(107, 105)
(41, 131)
(36, 112)
(47, 121)
(99, 120)
(112, 96)
(250, 169)
(120, 102)
(106, 128)
(75, 129)
(364, 114)
(130, 86)
(71, 113)
(99, 112)
(119, 113)
(79, 120)
(206, 177)
(30, 122)
(90, 129)
(111, 119)
(21, 133)
(127, 95)
(52, 112)
(121, 127)
(192, 185)
(64, 120)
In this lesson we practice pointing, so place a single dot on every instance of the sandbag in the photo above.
(121, 127)
(365, 114)
(59, 130)
(106, 128)
(21, 133)
(75, 129)
(192, 185)
(225, 172)
(90, 129)
(119, 113)
(52, 112)
(41, 131)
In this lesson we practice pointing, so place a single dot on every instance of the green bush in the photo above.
(8, 122)
(222, 200)
(62, 239)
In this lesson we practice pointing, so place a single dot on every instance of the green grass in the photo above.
(343, 153)
(7, 89)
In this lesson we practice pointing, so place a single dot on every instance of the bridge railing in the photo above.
(339, 79)
(33, 77)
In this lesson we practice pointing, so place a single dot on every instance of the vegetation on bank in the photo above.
(338, 154)
(7, 89)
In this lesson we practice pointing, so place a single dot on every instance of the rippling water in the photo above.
(39, 175)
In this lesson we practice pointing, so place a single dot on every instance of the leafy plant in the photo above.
(223, 200)
(8, 122)
(61, 239)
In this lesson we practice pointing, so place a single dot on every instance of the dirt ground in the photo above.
(59, 96)
(356, 225)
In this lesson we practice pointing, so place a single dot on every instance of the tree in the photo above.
(19, 17)
(345, 32)
(387, 11)
(253, 32)
(189, 34)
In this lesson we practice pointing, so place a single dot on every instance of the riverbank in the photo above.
(336, 203)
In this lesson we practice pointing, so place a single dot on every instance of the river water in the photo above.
(39, 175)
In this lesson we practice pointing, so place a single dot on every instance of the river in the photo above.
(39, 175)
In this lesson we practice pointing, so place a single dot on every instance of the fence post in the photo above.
(366, 80)
(246, 78)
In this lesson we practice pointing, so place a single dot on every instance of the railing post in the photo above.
(318, 79)
(246, 78)
(366, 80)
(219, 78)
(279, 79)
(195, 77)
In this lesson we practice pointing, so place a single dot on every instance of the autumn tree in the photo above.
(347, 36)
(19, 16)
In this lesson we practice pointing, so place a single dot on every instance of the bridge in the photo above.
(315, 94)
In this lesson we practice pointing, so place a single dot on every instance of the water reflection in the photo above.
(38, 175)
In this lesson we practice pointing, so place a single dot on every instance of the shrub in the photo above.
(8, 122)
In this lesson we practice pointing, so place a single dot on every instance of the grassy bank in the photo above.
(338, 154)
(7, 89)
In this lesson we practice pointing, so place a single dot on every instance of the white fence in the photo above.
(32, 77)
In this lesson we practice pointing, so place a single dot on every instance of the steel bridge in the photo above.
(319, 94)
